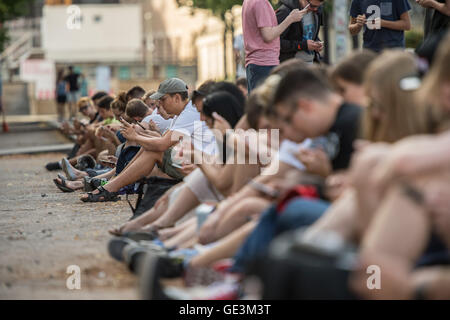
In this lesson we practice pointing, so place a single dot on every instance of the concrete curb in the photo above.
(39, 149)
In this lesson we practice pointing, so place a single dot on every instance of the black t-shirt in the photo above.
(72, 80)
(343, 133)
(97, 117)
(435, 21)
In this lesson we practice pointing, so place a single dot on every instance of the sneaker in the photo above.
(151, 271)
(224, 290)
(53, 166)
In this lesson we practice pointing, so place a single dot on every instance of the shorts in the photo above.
(167, 166)
(199, 184)
(61, 99)
(73, 96)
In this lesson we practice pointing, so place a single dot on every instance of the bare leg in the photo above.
(79, 174)
(226, 248)
(207, 232)
(242, 174)
(239, 215)
(140, 222)
(74, 185)
(186, 234)
(185, 202)
(387, 234)
(396, 237)
(341, 218)
(167, 233)
(142, 167)
(61, 111)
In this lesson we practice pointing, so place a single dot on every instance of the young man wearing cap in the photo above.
(174, 100)
(262, 38)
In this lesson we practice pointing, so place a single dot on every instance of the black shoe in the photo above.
(134, 254)
(53, 166)
(151, 271)
(116, 246)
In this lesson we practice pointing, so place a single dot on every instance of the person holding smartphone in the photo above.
(301, 39)
(383, 22)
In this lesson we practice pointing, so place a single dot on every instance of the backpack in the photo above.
(299, 270)
(149, 190)
(61, 88)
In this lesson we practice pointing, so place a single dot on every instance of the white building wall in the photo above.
(107, 33)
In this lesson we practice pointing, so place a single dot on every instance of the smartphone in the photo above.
(140, 125)
(176, 165)
(264, 189)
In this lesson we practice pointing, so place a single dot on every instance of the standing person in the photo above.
(384, 22)
(73, 91)
(61, 95)
(2, 111)
(437, 16)
(301, 39)
(262, 38)
(83, 86)
(239, 55)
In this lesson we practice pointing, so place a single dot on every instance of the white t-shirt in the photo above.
(188, 123)
(162, 124)
(288, 151)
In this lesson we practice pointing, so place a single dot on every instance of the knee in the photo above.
(251, 206)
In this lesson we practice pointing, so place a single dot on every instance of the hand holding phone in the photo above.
(272, 193)
(124, 122)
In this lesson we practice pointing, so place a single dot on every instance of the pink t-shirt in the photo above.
(258, 14)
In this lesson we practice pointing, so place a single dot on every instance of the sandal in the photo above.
(62, 186)
(103, 196)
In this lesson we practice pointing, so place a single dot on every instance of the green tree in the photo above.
(10, 9)
(220, 9)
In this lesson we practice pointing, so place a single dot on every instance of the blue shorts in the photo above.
(73, 96)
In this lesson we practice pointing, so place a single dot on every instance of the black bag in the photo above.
(149, 191)
(299, 270)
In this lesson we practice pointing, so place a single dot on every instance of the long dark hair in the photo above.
(228, 107)
(225, 104)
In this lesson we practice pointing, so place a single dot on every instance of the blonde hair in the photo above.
(429, 95)
(84, 101)
(401, 116)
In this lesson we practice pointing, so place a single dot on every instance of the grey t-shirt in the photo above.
(309, 29)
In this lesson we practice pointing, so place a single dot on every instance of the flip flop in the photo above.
(67, 169)
(62, 186)
(140, 235)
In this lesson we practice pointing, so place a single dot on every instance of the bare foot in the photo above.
(129, 226)
(74, 185)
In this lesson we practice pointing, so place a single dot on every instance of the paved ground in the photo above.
(43, 231)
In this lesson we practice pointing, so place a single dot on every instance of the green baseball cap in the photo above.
(173, 85)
